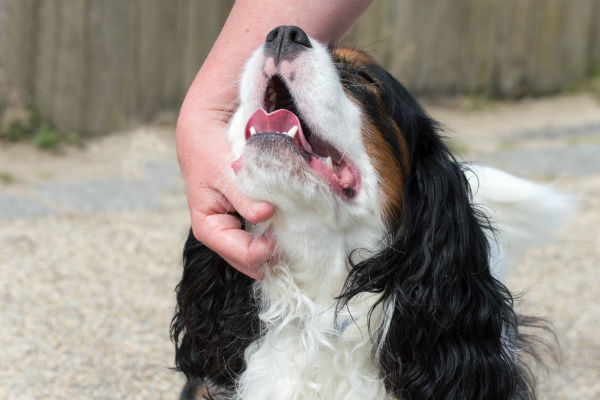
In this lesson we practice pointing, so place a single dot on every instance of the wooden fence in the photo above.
(91, 65)
(491, 47)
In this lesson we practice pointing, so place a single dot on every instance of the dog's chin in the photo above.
(272, 169)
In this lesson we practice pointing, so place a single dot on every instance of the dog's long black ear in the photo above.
(215, 320)
(449, 325)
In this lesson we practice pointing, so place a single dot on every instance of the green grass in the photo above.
(46, 137)
(594, 82)
(34, 129)
(5, 177)
(590, 84)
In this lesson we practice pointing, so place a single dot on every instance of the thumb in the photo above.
(249, 209)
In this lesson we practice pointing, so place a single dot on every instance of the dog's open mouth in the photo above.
(283, 117)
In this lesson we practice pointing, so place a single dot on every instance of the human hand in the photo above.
(202, 146)
(213, 199)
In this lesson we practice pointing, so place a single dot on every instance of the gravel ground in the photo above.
(90, 243)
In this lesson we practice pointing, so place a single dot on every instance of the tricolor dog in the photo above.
(390, 254)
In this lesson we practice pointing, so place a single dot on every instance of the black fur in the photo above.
(453, 325)
(215, 320)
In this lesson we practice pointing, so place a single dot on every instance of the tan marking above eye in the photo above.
(351, 56)
(356, 65)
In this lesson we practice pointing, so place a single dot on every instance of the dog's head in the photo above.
(352, 162)
(316, 125)
(325, 134)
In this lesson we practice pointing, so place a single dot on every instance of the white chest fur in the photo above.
(308, 353)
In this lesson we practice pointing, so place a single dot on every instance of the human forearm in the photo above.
(246, 29)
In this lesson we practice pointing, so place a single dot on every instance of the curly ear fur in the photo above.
(451, 332)
(215, 320)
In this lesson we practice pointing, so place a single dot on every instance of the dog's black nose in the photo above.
(285, 42)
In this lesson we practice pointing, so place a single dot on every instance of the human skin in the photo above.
(203, 150)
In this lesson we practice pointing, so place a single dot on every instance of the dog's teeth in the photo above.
(292, 132)
(329, 163)
(252, 131)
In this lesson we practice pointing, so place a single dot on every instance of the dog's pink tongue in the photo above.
(278, 121)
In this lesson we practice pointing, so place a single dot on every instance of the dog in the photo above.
(390, 254)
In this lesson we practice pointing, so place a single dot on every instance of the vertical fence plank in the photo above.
(19, 46)
(400, 33)
(148, 46)
(574, 45)
(3, 44)
(444, 46)
(181, 39)
(156, 52)
(594, 39)
(204, 22)
(68, 94)
(477, 63)
(547, 51)
(169, 57)
(110, 71)
(48, 23)
(513, 54)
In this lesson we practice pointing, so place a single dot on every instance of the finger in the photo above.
(254, 262)
(252, 210)
(255, 273)
(222, 233)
